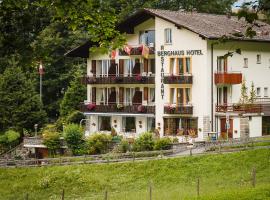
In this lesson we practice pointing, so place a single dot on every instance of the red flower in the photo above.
(141, 109)
(91, 106)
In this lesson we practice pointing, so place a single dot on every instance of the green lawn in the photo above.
(226, 176)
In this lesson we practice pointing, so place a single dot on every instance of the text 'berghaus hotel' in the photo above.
(176, 77)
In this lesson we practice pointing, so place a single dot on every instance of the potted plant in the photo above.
(141, 109)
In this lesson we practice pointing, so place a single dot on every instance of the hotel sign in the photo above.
(163, 53)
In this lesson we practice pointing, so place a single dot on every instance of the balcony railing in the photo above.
(178, 109)
(178, 79)
(136, 50)
(137, 79)
(228, 78)
(240, 108)
(117, 108)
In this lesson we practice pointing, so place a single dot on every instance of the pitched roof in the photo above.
(210, 26)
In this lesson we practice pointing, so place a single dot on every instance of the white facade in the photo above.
(192, 102)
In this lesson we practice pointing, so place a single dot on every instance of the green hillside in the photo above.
(226, 176)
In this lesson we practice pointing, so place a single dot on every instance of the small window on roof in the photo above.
(168, 35)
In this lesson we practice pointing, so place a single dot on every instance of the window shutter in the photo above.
(121, 67)
(145, 94)
(94, 67)
(93, 95)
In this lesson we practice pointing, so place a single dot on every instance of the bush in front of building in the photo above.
(75, 117)
(98, 143)
(145, 142)
(52, 140)
(123, 146)
(73, 135)
(163, 144)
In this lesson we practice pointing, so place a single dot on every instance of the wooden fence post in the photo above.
(150, 190)
(254, 177)
(190, 152)
(133, 156)
(198, 187)
(106, 195)
(63, 194)
(84, 159)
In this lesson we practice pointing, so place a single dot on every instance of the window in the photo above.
(129, 124)
(181, 126)
(172, 96)
(104, 123)
(246, 62)
(221, 64)
(129, 95)
(152, 95)
(180, 96)
(180, 66)
(258, 92)
(269, 62)
(151, 124)
(188, 65)
(128, 66)
(168, 35)
(147, 37)
(258, 58)
(265, 92)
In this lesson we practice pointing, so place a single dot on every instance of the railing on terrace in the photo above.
(242, 108)
(119, 108)
(262, 100)
(178, 79)
(178, 109)
(119, 79)
(136, 50)
(228, 77)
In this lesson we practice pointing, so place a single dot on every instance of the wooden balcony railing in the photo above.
(228, 78)
(136, 51)
(117, 108)
(241, 108)
(178, 109)
(137, 79)
(178, 79)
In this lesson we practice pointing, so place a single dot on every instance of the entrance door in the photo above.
(223, 130)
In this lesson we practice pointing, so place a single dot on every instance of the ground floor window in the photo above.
(181, 126)
(104, 123)
(151, 124)
(129, 124)
(266, 125)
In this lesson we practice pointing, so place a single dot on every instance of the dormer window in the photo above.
(168, 35)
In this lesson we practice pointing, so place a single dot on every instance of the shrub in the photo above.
(75, 117)
(98, 143)
(12, 136)
(163, 144)
(144, 143)
(73, 135)
(51, 140)
(117, 138)
(123, 146)
(175, 140)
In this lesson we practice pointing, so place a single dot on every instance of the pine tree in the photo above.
(20, 106)
(252, 94)
(244, 95)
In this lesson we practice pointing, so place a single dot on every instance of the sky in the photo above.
(240, 2)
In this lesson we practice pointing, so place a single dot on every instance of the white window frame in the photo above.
(259, 58)
(265, 91)
(168, 36)
(258, 91)
(245, 62)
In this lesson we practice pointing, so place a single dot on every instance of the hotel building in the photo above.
(183, 84)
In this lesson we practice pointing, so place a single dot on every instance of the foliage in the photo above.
(117, 138)
(9, 139)
(75, 117)
(98, 143)
(74, 95)
(252, 94)
(145, 142)
(175, 140)
(20, 106)
(244, 95)
(222, 176)
(163, 144)
(51, 140)
(124, 146)
(73, 135)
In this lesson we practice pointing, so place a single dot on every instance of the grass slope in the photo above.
(225, 176)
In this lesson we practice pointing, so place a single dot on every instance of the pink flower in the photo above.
(91, 106)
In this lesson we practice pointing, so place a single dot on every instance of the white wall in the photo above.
(255, 126)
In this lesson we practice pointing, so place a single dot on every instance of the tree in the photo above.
(244, 95)
(52, 140)
(73, 135)
(75, 94)
(20, 106)
(252, 94)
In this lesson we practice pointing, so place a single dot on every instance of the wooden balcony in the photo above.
(136, 51)
(178, 109)
(178, 79)
(139, 79)
(239, 108)
(228, 78)
(117, 108)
